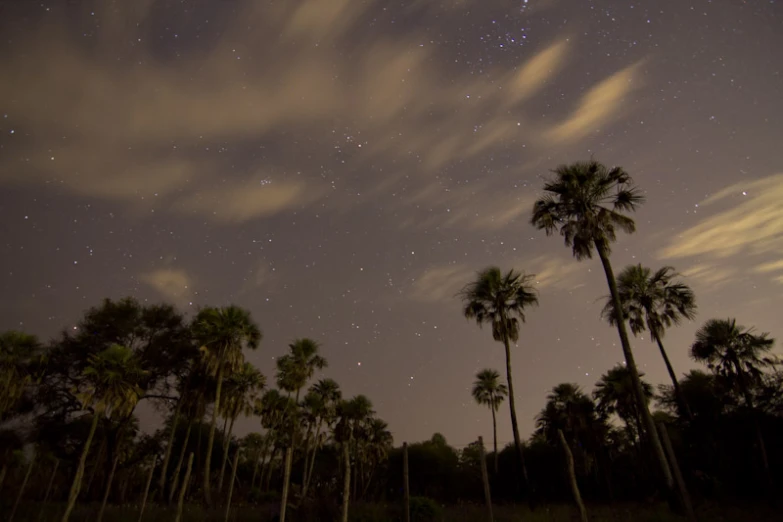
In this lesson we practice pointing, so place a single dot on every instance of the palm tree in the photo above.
(329, 396)
(737, 355)
(654, 302)
(240, 397)
(500, 301)
(18, 352)
(222, 333)
(487, 391)
(109, 387)
(293, 371)
(351, 415)
(614, 395)
(586, 202)
(568, 409)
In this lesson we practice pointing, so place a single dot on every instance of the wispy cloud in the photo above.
(172, 284)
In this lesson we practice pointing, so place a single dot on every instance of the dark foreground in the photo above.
(388, 513)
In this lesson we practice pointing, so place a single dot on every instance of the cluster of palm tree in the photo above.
(89, 383)
(587, 203)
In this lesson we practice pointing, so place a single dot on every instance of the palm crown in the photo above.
(112, 378)
(241, 391)
(488, 390)
(499, 300)
(296, 368)
(223, 333)
(650, 301)
(614, 393)
(585, 201)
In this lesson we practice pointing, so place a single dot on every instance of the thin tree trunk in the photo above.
(572, 476)
(495, 436)
(185, 482)
(77, 480)
(405, 483)
(108, 484)
(22, 488)
(306, 457)
(309, 471)
(226, 448)
(164, 467)
(512, 407)
(270, 468)
(289, 453)
(652, 432)
(101, 453)
(684, 407)
(684, 496)
(147, 489)
(231, 485)
(211, 442)
(346, 482)
(49, 489)
(175, 474)
(255, 472)
(485, 478)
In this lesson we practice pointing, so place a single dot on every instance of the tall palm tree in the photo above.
(109, 387)
(654, 302)
(737, 355)
(488, 391)
(500, 300)
(329, 396)
(222, 334)
(18, 354)
(293, 371)
(241, 393)
(586, 202)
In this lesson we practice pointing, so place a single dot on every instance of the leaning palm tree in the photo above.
(222, 333)
(108, 386)
(737, 355)
(500, 300)
(241, 393)
(654, 302)
(488, 391)
(293, 371)
(586, 202)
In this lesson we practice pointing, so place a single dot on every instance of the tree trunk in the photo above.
(231, 485)
(346, 482)
(684, 496)
(652, 432)
(684, 407)
(289, 453)
(226, 447)
(77, 480)
(211, 441)
(512, 407)
(495, 436)
(147, 489)
(101, 453)
(405, 482)
(177, 469)
(485, 478)
(309, 471)
(22, 488)
(184, 488)
(49, 489)
(270, 468)
(255, 471)
(164, 467)
(108, 485)
(306, 456)
(572, 476)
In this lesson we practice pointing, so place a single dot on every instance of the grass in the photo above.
(385, 513)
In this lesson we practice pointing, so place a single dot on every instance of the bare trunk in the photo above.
(184, 488)
(270, 467)
(169, 448)
(651, 430)
(211, 441)
(513, 409)
(147, 489)
(309, 471)
(22, 488)
(485, 477)
(178, 468)
(286, 480)
(346, 482)
(683, 404)
(231, 485)
(495, 436)
(109, 482)
(685, 498)
(572, 476)
(77, 480)
(226, 448)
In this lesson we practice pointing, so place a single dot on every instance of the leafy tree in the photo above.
(20, 358)
(654, 302)
(739, 356)
(222, 334)
(501, 301)
(614, 395)
(488, 391)
(586, 202)
(109, 386)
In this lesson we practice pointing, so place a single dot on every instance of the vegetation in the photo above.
(72, 449)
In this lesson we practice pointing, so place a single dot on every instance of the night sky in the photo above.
(341, 168)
